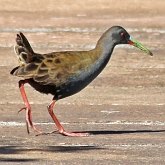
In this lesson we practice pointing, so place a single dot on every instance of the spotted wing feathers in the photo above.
(54, 68)
(23, 49)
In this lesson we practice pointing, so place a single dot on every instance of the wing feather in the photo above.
(55, 68)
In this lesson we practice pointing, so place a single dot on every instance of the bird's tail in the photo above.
(23, 49)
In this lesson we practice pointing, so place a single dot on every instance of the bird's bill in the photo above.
(139, 45)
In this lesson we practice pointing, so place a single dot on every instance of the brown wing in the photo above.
(56, 68)
(23, 49)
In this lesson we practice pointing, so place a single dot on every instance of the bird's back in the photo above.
(56, 68)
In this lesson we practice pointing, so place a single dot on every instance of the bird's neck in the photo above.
(103, 50)
(100, 57)
(106, 44)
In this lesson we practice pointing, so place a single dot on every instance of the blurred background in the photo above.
(128, 95)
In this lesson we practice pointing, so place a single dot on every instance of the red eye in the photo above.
(122, 34)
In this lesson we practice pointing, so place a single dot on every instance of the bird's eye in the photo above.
(122, 35)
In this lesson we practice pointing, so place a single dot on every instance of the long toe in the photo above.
(74, 134)
(47, 133)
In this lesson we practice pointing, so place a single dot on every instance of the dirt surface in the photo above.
(123, 109)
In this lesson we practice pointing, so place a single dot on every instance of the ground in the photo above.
(122, 109)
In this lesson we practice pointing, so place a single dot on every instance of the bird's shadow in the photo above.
(9, 150)
(121, 132)
(13, 150)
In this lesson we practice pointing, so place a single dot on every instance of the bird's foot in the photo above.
(74, 134)
(70, 134)
(38, 131)
(29, 122)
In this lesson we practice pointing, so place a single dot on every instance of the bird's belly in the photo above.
(78, 82)
(62, 91)
(71, 88)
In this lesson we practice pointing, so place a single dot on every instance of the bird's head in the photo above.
(120, 36)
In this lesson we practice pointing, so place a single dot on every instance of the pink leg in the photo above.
(59, 126)
(27, 107)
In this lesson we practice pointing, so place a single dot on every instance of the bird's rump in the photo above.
(23, 49)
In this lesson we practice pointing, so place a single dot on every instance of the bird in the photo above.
(65, 73)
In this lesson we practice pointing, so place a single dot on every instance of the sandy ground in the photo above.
(123, 108)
